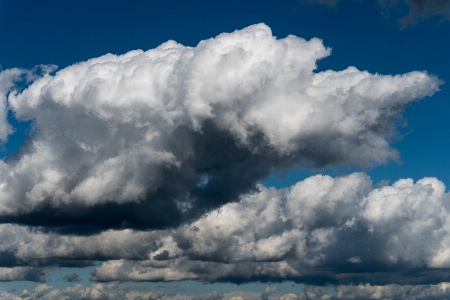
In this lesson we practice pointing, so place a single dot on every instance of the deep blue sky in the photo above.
(64, 32)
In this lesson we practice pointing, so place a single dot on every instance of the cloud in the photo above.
(305, 233)
(72, 277)
(24, 274)
(268, 291)
(421, 9)
(212, 296)
(438, 291)
(98, 291)
(124, 291)
(417, 9)
(330, 3)
(7, 79)
(155, 139)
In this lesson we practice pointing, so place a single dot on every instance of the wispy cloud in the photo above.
(417, 9)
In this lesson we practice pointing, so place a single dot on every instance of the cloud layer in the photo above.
(122, 291)
(320, 230)
(152, 139)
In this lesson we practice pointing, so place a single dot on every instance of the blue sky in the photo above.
(88, 163)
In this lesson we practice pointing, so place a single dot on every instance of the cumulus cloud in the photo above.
(320, 230)
(268, 291)
(152, 139)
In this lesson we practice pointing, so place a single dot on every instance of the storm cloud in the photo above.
(157, 138)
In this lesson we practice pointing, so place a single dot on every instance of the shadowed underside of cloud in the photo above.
(157, 138)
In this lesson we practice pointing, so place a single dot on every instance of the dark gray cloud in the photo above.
(416, 9)
(72, 277)
(158, 138)
(330, 3)
(421, 9)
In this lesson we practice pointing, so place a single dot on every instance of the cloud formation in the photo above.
(320, 230)
(308, 233)
(153, 139)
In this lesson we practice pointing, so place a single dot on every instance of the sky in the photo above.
(213, 150)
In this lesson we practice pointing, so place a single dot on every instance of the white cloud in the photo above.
(7, 79)
(148, 125)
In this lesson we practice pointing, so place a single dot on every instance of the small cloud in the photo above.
(354, 260)
(72, 277)
(268, 291)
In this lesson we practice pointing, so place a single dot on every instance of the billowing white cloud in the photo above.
(176, 131)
